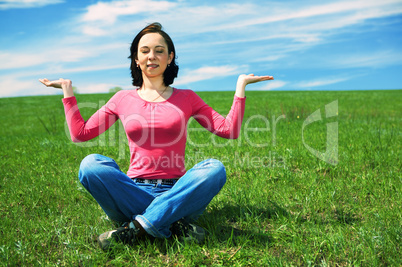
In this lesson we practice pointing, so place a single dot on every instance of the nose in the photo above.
(151, 55)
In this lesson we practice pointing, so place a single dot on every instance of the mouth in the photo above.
(152, 66)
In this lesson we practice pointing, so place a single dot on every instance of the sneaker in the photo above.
(188, 232)
(123, 234)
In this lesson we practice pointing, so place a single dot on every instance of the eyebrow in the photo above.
(145, 46)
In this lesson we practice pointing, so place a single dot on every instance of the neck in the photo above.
(153, 84)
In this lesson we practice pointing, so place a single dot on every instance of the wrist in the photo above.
(67, 87)
(240, 88)
(68, 92)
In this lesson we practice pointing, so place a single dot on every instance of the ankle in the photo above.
(141, 230)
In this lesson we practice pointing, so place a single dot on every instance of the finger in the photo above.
(262, 78)
(267, 77)
(44, 81)
(48, 83)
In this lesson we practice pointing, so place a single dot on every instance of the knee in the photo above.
(216, 171)
(217, 166)
(90, 165)
(220, 171)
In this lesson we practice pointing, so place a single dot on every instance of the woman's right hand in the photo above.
(65, 85)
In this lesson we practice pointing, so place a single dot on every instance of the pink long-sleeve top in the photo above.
(156, 131)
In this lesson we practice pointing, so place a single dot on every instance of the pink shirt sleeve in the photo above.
(226, 127)
(98, 123)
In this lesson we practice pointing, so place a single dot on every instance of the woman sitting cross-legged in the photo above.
(157, 195)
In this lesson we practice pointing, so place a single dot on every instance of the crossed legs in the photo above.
(154, 207)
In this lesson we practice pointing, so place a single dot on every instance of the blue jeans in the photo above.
(155, 207)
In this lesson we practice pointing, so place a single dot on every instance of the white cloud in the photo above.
(200, 18)
(18, 81)
(320, 10)
(373, 60)
(206, 73)
(349, 17)
(304, 24)
(10, 4)
(95, 88)
(11, 86)
(109, 11)
(57, 55)
(96, 68)
(94, 31)
(320, 82)
(301, 23)
(23, 60)
(270, 85)
(12, 61)
(21, 86)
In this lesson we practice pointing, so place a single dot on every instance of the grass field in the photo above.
(281, 204)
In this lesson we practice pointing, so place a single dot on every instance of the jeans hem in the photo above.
(148, 227)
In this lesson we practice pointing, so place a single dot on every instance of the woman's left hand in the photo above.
(251, 78)
(244, 79)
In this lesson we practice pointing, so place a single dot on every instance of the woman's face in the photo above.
(153, 55)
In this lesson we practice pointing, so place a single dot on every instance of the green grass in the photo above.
(280, 206)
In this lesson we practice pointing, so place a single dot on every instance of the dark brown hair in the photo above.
(172, 69)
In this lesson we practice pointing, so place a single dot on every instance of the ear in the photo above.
(171, 56)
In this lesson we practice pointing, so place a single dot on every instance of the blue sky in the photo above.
(305, 45)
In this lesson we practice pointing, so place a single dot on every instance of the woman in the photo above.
(157, 192)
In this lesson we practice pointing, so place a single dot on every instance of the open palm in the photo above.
(60, 83)
(251, 78)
